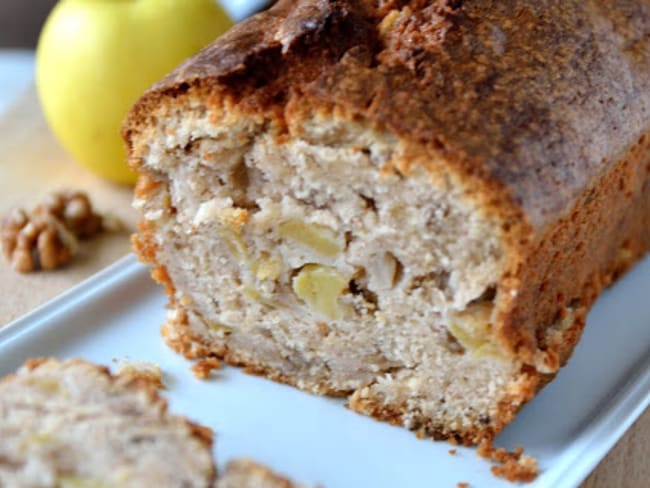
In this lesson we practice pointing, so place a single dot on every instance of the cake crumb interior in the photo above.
(311, 256)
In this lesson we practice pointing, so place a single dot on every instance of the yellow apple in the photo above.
(96, 57)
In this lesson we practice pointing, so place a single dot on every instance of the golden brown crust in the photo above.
(568, 265)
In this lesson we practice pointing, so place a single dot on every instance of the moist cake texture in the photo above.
(411, 204)
(73, 424)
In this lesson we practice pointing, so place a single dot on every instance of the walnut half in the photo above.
(47, 237)
(36, 241)
(74, 210)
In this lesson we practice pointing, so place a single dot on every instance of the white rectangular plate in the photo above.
(569, 427)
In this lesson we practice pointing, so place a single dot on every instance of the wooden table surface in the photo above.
(32, 164)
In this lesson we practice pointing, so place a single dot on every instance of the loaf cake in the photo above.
(409, 204)
(73, 424)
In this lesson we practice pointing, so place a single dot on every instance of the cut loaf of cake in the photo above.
(411, 204)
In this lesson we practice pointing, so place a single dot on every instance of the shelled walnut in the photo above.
(74, 210)
(47, 237)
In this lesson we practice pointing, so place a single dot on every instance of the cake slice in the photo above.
(409, 204)
(73, 424)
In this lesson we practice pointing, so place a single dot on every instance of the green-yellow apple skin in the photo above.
(96, 57)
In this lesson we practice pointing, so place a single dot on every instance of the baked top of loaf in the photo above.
(411, 203)
(72, 423)
(524, 95)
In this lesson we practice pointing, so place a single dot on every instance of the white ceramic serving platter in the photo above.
(569, 427)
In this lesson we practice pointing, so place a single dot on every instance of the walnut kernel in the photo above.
(47, 237)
